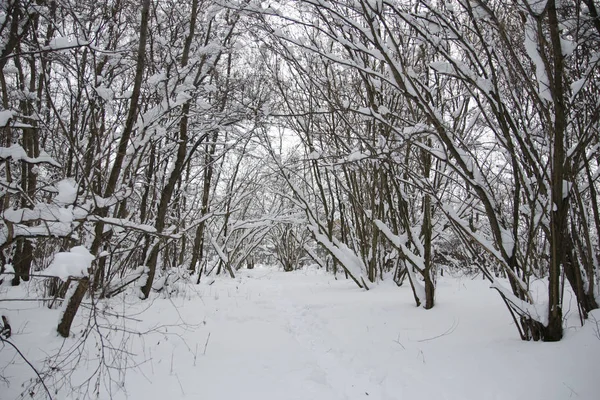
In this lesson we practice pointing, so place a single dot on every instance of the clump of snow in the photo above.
(537, 312)
(75, 263)
(9, 268)
(41, 211)
(141, 282)
(537, 6)
(157, 78)
(67, 192)
(357, 156)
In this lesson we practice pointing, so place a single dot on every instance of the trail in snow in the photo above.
(330, 369)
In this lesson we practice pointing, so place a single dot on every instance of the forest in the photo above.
(151, 145)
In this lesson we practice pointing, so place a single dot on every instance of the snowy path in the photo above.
(330, 370)
(269, 335)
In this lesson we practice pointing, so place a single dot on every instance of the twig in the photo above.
(398, 341)
(449, 331)
(597, 328)
(75, 278)
(180, 385)
(206, 344)
(40, 299)
(28, 363)
(571, 389)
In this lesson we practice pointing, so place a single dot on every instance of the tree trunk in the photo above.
(429, 292)
(64, 326)
(22, 261)
(198, 249)
(558, 219)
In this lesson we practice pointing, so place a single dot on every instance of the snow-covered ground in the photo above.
(302, 335)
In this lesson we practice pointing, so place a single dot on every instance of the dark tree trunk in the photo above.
(64, 326)
(558, 219)
(429, 292)
(198, 249)
(22, 261)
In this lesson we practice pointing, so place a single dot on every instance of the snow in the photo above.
(566, 188)
(537, 6)
(508, 241)
(532, 49)
(537, 312)
(125, 223)
(59, 43)
(419, 288)
(41, 211)
(357, 156)
(5, 116)
(350, 261)
(577, 85)
(122, 194)
(18, 153)
(105, 93)
(315, 155)
(74, 263)
(568, 46)
(67, 192)
(219, 250)
(271, 335)
(415, 259)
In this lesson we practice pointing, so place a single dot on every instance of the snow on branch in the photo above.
(400, 243)
(7, 120)
(40, 212)
(351, 263)
(117, 197)
(18, 153)
(538, 312)
(64, 43)
(10, 232)
(74, 263)
(416, 260)
(219, 251)
(123, 223)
